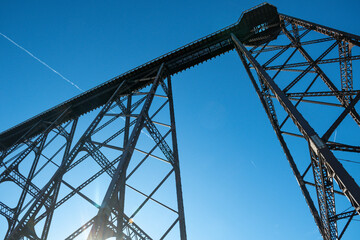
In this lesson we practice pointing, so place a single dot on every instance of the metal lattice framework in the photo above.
(44, 156)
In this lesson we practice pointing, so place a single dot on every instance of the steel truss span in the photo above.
(122, 135)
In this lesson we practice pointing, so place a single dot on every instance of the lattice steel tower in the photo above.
(128, 122)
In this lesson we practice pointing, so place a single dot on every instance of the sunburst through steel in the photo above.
(117, 133)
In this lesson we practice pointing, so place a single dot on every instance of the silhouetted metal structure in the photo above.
(275, 51)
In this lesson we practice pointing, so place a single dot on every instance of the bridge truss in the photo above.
(303, 75)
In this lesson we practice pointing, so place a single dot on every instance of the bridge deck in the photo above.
(255, 26)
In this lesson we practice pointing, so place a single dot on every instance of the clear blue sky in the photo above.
(237, 183)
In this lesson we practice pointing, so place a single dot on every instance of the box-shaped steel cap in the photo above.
(259, 24)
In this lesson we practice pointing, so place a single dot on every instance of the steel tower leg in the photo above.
(121, 195)
(274, 122)
(326, 167)
(102, 227)
(37, 206)
(176, 164)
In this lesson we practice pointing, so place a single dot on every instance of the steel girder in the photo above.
(63, 149)
(283, 60)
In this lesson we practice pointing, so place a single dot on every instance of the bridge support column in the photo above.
(326, 167)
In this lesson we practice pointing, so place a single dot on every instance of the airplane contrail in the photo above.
(46, 65)
(40, 61)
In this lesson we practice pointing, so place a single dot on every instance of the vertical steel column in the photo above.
(345, 68)
(325, 194)
(176, 164)
(121, 195)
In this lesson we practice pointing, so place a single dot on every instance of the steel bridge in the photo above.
(277, 52)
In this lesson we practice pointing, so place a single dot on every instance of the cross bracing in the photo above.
(137, 107)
